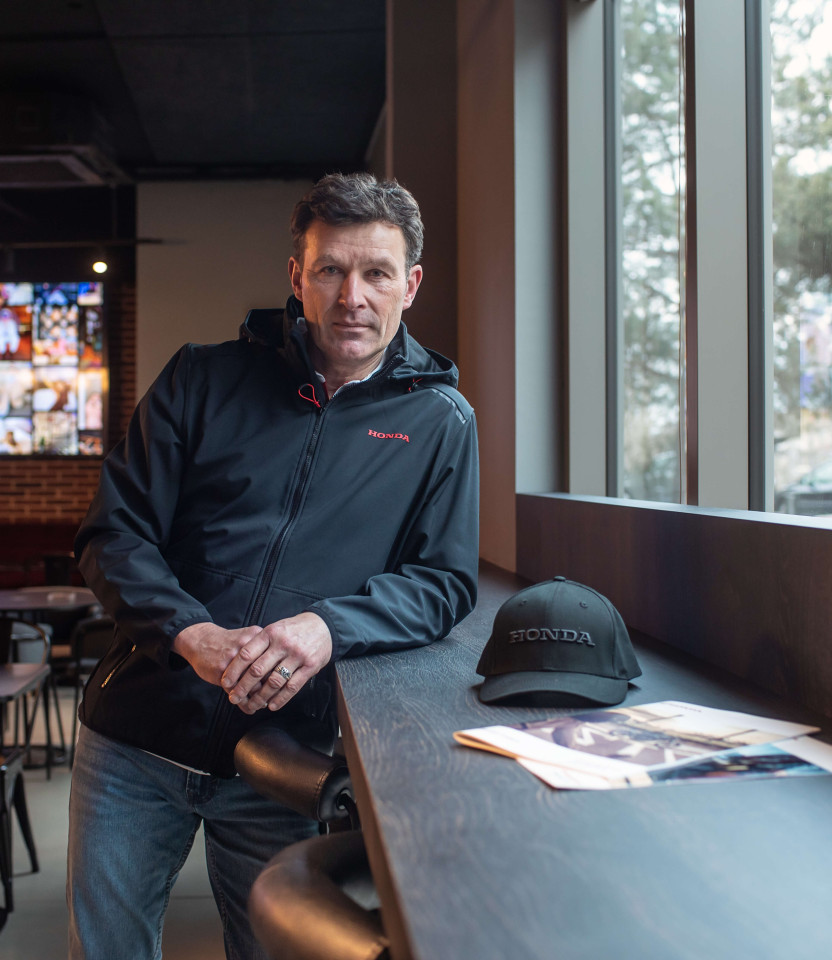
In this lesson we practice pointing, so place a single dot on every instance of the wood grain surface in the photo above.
(746, 591)
(476, 858)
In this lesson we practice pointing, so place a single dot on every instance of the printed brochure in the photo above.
(658, 743)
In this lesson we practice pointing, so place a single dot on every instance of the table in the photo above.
(16, 680)
(39, 603)
(474, 857)
(45, 598)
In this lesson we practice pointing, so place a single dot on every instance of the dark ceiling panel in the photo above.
(136, 18)
(80, 66)
(41, 18)
(236, 87)
(253, 100)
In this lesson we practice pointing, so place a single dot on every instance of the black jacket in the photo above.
(240, 496)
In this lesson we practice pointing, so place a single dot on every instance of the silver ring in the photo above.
(286, 674)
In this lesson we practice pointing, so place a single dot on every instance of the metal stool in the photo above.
(316, 899)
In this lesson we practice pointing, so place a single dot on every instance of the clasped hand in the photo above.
(247, 662)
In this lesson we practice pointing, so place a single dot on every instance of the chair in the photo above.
(56, 617)
(316, 899)
(12, 797)
(30, 643)
(58, 569)
(89, 641)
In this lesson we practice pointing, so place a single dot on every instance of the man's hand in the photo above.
(209, 648)
(299, 645)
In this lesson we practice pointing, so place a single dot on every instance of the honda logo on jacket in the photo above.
(389, 436)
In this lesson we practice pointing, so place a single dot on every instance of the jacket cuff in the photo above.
(333, 633)
(174, 660)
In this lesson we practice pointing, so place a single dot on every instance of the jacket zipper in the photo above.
(300, 488)
(297, 497)
(118, 666)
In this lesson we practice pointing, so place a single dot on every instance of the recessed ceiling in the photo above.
(149, 89)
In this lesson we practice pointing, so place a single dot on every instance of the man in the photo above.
(305, 493)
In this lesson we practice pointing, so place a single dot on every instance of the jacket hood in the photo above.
(285, 330)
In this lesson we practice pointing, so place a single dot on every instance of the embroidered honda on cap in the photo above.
(558, 638)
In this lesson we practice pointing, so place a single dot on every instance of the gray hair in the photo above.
(339, 199)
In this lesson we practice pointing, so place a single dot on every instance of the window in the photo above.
(801, 250)
(716, 245)
(651, 190)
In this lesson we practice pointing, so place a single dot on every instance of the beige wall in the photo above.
(224, 250)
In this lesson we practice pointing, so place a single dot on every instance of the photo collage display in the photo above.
(53, 383)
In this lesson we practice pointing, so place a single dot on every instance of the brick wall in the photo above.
(58, 490)
(51, 490)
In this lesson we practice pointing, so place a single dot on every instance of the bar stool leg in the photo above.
(61, 743)
(22, 811)
(9, 768)
(48, 728)
(5, 857)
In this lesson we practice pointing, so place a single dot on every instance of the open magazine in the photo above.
(665, 742)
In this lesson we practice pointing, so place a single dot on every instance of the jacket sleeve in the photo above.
(433, 584)
(119, 545)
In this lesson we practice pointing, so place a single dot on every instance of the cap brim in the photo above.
(604, 690)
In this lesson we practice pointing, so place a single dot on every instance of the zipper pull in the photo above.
(118, 666)
(313, 399)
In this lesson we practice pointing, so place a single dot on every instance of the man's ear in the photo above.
(295, 276)
(413, 281)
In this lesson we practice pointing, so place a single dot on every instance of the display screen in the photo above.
(53, 379)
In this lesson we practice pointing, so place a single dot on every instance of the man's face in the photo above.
(354, 286)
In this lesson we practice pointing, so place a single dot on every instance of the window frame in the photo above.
(728, 460)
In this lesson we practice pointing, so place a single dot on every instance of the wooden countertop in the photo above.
(474, 857)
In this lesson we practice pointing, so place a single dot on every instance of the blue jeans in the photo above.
(132, 820)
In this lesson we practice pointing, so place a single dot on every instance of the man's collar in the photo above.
(388, 352)
(395, 345)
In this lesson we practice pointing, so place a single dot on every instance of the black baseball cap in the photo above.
(558, 638)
